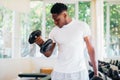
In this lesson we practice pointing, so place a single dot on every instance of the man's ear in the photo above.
(65, 14)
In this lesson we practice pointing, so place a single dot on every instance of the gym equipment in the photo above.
(111, 61)
(100, 69)
(115, 75)
(91, 74)
(96, 78)
(43, 47)
(46, 46)
(33, 36)
(116, 63)
(32, 75)
(110, 73)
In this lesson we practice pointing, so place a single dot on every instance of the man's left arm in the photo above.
(91, 53)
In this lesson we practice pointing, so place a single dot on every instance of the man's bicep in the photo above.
(87, 38)
(86, 30)
(88, 42)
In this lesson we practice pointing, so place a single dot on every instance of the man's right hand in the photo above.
(45, 47)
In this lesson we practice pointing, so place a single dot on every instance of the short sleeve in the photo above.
(86, 30)
(51, 36)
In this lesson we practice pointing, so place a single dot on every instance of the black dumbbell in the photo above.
(96, 78)
(91, 74)
(111, 61)
(43, 47)
(46, 46)
(110, 72)
(92, 77)
(100, 69)
(107, 65)
(115, 75)
(116, 63)
(33, 36)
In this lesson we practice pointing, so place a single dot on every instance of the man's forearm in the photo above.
(91, 52)
(93, 61)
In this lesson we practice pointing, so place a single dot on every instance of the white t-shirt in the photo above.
(70, 41)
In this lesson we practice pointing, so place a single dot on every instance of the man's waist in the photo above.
(70, 67)
(69, 70)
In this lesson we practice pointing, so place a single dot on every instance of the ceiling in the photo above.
(73, 1)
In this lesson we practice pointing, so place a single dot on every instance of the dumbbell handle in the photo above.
(39, 41)
(44, 46)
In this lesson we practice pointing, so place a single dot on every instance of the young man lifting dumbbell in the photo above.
(70, 35)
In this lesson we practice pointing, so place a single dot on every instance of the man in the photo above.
(70, 36)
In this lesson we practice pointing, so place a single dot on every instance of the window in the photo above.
(5, 32)
(29, 23)
(112, 29)
(49, 21)
(84, 12)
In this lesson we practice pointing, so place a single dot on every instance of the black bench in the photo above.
(34, 75)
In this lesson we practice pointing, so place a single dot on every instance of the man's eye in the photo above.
(57, 20)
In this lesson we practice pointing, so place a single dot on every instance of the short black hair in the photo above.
(57, 8)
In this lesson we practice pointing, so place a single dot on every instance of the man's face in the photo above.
(59, 19)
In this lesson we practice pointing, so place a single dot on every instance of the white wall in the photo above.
(42, 62)
(10, 68)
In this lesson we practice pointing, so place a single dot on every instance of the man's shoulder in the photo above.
(79, 22)
(54, 28)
